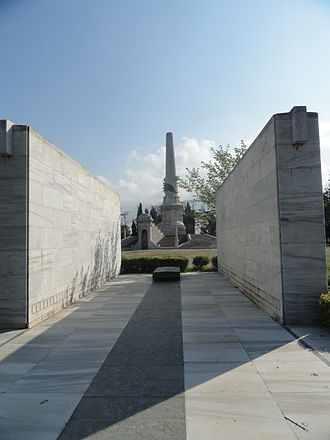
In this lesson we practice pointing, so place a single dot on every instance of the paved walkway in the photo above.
(316, 338)
(137, 360)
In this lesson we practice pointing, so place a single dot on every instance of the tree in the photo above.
(203, 182)
(153, 214)
(326, 201)
(207, 221)
(124, 231)
(211, 225)
(187, 209)
(139, 210)
(134, 229)
(189, 219)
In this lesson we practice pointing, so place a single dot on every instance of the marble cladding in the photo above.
(270, 221)
(13, 227)
(60, 237)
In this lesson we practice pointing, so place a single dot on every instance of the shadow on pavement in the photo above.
(138, 391)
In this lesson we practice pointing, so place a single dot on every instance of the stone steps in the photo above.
(203, 241)
(167, 242)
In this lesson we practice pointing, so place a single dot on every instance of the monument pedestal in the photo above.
(172, 220)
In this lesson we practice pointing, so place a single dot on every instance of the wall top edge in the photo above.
(8, 124)
(33, 132)
(8, 121)
(296, 110)
(59, 151)
(269, 123)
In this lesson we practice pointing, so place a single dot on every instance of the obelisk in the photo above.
(171, 209)
(170, 182)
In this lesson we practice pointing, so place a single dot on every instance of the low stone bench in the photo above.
(166, 273)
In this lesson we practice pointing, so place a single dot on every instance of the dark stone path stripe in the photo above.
(138, 392)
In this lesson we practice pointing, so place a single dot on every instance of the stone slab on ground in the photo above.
(166, 273)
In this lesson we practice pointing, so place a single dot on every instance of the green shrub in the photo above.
(149, 264)
(325, 309)
(200, 260)
(214, 262)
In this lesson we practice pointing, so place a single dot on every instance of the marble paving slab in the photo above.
(264, 392)
(45, 371)
(198, 361)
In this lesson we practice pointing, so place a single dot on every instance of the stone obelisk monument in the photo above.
(171, 209)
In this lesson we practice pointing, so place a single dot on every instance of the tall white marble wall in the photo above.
(74, 230)
(301, 215)
(72, 233)
(13, 225)
(270, 225)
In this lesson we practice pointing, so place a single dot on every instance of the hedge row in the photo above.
(149, 264)
(325, 309)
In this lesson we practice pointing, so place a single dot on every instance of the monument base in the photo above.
(172, 216)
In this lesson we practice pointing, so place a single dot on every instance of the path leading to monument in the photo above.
(139, 391)
(195, 360)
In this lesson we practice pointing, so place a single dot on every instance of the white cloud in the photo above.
(143, 178)
(325, 149)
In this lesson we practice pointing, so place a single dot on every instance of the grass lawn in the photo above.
(189, 253)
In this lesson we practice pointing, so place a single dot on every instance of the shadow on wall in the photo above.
(105, 267)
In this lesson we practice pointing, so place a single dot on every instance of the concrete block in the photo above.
(166, 274)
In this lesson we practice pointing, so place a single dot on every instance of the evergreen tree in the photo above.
(134, 229)
(189, 219)
(212, 226)
(124, 231)
(139, 211)
(187, 209)
(153, 214)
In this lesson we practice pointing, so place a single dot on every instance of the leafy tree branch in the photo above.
(204, 181)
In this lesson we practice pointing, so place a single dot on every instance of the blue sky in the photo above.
(104, 80)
